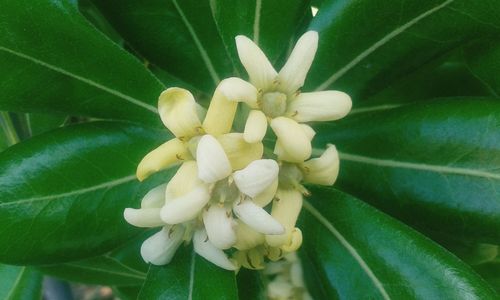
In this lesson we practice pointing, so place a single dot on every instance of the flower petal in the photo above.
(259, 69)
(207, 250)
(257, 218)
(238, 90)
(219, 227)
(155, 198)
(267, 195)
(160, 247)
(184, 181)
(256, 177)
(164, 156)
(255, 127)
(293, 74)
(324, 169)
(186, 207)
(213, 163)
(246, 237)
(179, 112)
(320, 106)
(286, 211)
(239, 152)
(294, 140)
(144, 217)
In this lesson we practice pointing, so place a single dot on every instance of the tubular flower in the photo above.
(275, 98)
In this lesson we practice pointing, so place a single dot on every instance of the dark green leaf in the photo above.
(365, 45)
(127, 292)
(20, 283)
(40, 123)
(189, 276)
(491, 272)
(484, 61)
(434, 165)
(360, 253)
(8, 134)
(72, 69)
(178, 36)
(271, 24)
(62, 194)
(251, 285)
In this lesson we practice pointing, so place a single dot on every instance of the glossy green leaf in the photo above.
(20, 283)
(72, 69)
(178, 36)
(483, 58)
(358, 252)
(491, 272)
(251, 285)
(189, 276)
(365, 45)
(271, 24)
(435, 165)
(62, 194)
(40, 123)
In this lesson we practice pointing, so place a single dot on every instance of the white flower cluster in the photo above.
(219, 196)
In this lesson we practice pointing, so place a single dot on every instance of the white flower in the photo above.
(161, 247)
(277, 97)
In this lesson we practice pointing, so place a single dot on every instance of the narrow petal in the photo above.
(320, 106)
(324, 169)
(213, 164)
(257, 218)
(294, 140)
(294, 72)
(295, 241)
(160, 247)
(155, 198)
(259, 69)
(184, 181)
(239, 152)
(238, 90)
(186, 207)
(267, 195)
(207, 250)
(168, 154)
(256, 177)
(144, 217)
(219, 226)
(179, 112)
(286, 209)
(255, 127)
(246, 237)
(252, 259)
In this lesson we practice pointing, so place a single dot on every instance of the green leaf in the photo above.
(365, 45)
(251, 285)
(271, 24)
(40, 123)
(8, 134)
(178, 36)
(72, 69)
(360, 253)
(127, 292)
(20, 283)
(483, 58)
(189, 276)
(435, 165)
(491, 272)
(62, 194)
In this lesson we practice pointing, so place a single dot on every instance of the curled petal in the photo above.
(252, 259)
(267, 195)
(310, 133)
(186, 207)
(238, 90)
(213, 163)
(160, 247)
(179, 112)
(293, 140)
(155, 198)
(246, 237)
(239, 152)
(219, 226)
(295, 241)
(324, 169)
(257, 218)
(255, 127)
(286, 209)
(320, 106)
(294, 72)
(144, 217)
(256, 177)
(259, 69)
(184, 181)
(207, 250)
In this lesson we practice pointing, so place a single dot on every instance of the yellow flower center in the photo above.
(274, 104)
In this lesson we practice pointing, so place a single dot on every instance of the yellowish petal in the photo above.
(213, 163)
(293, 140)
(168, 154)
(255, 127)
(259, 69)
(179, 112)
(239, 152)
(324, 169)
(144, 217)
(183, 182)
(246, 237)
(267, 195)
(320, 106)
(286, 209)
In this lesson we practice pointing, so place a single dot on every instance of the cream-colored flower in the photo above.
(276, 98)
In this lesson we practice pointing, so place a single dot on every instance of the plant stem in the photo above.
(8, 128)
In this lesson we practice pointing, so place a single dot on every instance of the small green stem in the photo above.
(8, 128)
